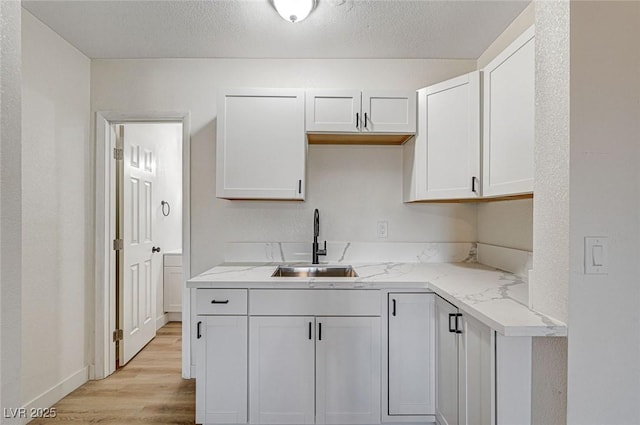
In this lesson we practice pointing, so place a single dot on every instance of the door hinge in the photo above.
(118, 244)
(118, 154)
(117, 335)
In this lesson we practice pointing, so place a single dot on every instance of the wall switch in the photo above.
(596, 255)
(383, 228)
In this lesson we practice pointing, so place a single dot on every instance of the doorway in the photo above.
(142, 239)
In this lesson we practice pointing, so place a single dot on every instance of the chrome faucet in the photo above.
(315, 252)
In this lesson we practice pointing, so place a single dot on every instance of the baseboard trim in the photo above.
(162, 320)
(57, 392)
(174, 317)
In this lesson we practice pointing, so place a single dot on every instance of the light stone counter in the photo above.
(494, 297)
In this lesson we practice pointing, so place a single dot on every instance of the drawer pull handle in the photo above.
(219, 302)
(451, 326)
(458, 330)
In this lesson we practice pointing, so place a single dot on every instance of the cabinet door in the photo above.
(476, 361)
(333, 111)
(172, 284)
(411, 354)
(281, 361)
(348, 370)
(221, 381)
(509, 118)
(388, 111)
(448, 139)
(261, 146)
(446, 364)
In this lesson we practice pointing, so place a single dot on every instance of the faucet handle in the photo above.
(324, 250)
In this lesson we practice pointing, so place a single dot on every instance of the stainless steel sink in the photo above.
(314, 271)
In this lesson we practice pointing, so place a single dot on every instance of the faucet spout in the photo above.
(315, 251)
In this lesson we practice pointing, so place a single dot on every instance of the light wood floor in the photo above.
(148, 390)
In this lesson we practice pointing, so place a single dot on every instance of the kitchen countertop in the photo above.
(494, 297)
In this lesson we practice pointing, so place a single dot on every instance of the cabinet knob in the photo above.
(155, 249)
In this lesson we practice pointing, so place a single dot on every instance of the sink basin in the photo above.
(315, 271)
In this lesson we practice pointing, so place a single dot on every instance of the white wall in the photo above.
(508, 223)
(10, 207)
(604, 318)
(57, 236)
(550, 277)
(337, 187)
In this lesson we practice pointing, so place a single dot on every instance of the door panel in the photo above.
(348, 370)
(446, 365)
(333, 111)
(477, 383)
(389, 111)
(411, 354)
(281, 361)
(222, 368)
(141, 267)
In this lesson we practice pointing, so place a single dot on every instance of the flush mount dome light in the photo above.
(294, 10)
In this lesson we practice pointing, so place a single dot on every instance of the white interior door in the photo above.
(140, 267)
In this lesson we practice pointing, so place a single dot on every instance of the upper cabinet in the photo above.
(443, 161)
(354, 112)
(261, 146)
(509, 119)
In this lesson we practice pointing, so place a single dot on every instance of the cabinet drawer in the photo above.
(221, 301)
(314, 302)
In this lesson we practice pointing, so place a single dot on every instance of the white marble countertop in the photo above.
(494, 297)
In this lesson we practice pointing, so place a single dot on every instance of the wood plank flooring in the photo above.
(148, 390)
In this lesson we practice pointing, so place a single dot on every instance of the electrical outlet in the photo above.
(383, 229)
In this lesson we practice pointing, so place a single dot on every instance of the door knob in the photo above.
(155, 249)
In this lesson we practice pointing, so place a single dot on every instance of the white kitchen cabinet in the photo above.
(482, 377)
(348, 370)
(311, 368)
(509, 119)
(411, 362)
(447, 373)
(172, 282)
(261, 145)
(221, 372)
(476, 363)
(443, 160)
(352, 111)
(282, 370)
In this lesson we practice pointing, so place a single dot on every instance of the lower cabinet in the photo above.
(317, 357)
(221, 374)
(411, 356)
(464, 368)
(482, 377)
(308, 369)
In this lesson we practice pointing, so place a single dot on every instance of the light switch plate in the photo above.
(596, 255)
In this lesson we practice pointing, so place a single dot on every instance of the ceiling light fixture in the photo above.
(294, 10)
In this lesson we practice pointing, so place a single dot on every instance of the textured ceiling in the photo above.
(451, 29)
